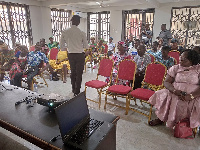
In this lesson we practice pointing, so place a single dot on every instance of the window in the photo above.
(60, 20)
(133, 20)
(15, 24)
(185, 25)
(99, 25)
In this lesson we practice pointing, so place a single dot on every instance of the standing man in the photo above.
(146, 34)
(165, 35)
(76, 42)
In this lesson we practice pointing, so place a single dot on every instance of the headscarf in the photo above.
(122, 43)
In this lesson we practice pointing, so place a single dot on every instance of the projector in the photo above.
(51, 100)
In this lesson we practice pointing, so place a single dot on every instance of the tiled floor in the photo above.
(133, 132)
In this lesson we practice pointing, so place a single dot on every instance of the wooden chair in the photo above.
(153, 81)
(105, 70)
(126, 71)
(175, 54)
(88, 58)
(40, 76)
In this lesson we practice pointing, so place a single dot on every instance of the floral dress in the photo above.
(100, 52)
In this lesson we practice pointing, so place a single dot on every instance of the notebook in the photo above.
(74, 121)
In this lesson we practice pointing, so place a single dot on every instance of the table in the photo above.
(35, 124)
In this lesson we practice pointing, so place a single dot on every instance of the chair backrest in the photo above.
(53, 53)
(155, 74)
(152, 58)
(175, 54)
(106, 49)
(127, 69)
(105, 67)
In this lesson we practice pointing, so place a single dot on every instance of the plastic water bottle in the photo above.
(35, 87)
(50, 77)
(8, 80)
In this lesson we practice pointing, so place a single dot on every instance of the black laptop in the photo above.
(75, 123)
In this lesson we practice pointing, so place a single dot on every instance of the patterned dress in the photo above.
(167, 62)
(169, 108)
(100, 52)
(17, 66)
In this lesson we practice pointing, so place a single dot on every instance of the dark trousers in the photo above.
(32, 71)
(17, 79)
(77, 61)
(138, 81)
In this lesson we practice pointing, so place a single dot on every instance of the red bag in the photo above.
(182, 129)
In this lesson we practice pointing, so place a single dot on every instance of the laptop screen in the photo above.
(71, 113)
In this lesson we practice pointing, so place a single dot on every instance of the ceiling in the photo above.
(107, 3)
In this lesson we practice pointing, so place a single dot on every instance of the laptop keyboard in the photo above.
(85, 131)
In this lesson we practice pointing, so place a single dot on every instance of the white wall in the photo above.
(35, 14)
(41, 23)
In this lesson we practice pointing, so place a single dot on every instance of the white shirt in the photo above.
(75, 40)
(142, 62)
(111, 46)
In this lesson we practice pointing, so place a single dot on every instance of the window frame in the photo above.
(18, 27)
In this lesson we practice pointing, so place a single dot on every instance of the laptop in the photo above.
(75, 123)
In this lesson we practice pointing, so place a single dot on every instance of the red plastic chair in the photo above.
(153, 81)
(105, 70)
(53, 53)
(126, 71)
(175, 54)
(152, 58)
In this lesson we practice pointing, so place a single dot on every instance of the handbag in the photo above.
(182, 129)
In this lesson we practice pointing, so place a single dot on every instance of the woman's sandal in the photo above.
(155, 122)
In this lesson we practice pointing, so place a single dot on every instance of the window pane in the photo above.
(133, 20)
(99, 25)
(15, 24)
(60, 20)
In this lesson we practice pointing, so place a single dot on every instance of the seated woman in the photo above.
(164, 58)
(97, 55)
(181, 98)
(61, 62)
(92, 49)
(6, 59)
(117, 57)
(18, 66)
(53, 44)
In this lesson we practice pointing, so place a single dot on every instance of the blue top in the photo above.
(35, 58)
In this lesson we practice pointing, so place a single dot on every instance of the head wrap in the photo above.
(51, 37)
(122, 43)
